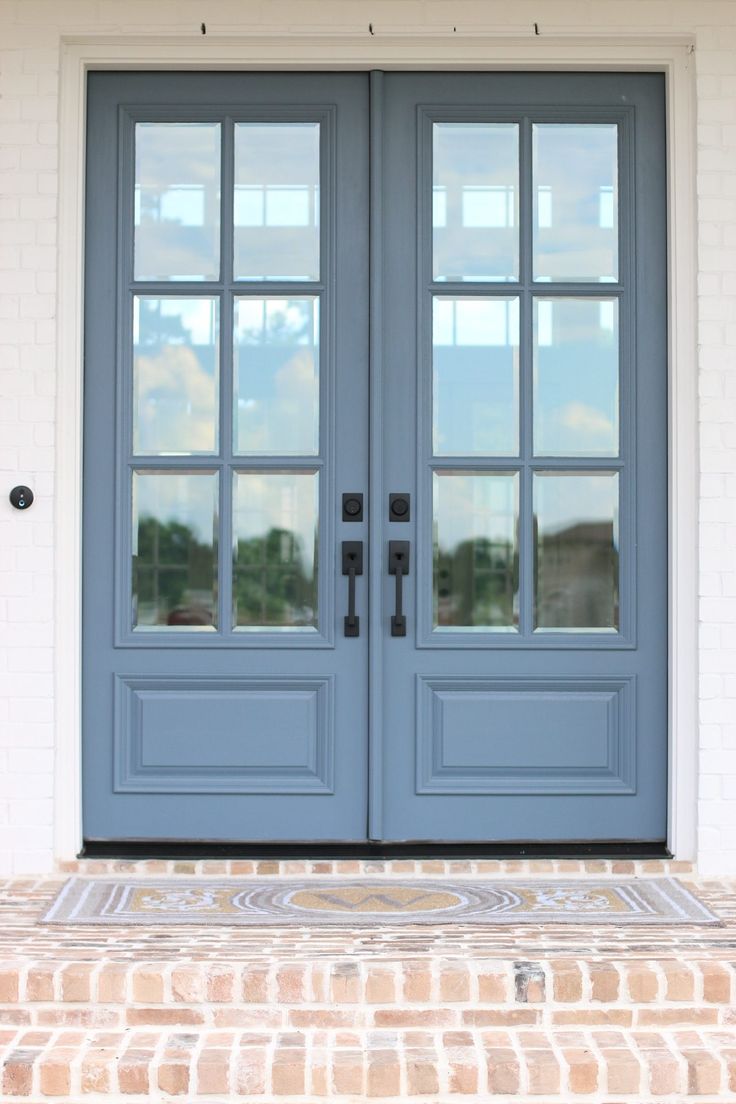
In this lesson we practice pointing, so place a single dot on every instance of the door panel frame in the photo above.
(667, 54)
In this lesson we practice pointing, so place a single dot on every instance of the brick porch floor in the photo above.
(548, 1013)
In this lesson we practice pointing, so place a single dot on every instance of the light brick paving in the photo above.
(223, 1014)
(440, 867)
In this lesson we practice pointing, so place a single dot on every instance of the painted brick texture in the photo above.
(30, 36)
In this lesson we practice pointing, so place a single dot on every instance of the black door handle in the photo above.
(398, 565)
(352, 565)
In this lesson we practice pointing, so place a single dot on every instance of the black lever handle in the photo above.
(398, 565)
(352, 565)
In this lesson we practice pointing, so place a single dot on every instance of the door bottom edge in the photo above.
(369, 849)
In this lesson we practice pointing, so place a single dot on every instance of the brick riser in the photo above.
(350, 1029)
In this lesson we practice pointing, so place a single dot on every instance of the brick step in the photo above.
(363, 991)
(302, 1066)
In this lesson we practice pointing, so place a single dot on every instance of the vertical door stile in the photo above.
(376, 519)
(525, 581)
(226, 379)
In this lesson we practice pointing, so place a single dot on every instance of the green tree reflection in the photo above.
(475, 583)
(174, 578)
(271, 584)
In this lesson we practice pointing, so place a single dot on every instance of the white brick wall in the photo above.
(30, 32)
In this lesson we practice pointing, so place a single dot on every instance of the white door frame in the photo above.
(616, 52)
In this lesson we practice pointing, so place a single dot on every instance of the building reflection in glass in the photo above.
(475, 202)
(276, 201)
(576, 551)
(177, 201)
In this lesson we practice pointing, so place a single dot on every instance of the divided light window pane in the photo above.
(275, 550)
(575, 183)
(576, 386)
(276, 376)
(177, 201)
(576, 551)
(475, 201)
(276, 201)
(175, 550)
(476, 557)
(175, 375)
(475, 360)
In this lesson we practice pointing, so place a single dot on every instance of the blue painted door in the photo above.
(523, 373)
(488, 250)
(225, 386)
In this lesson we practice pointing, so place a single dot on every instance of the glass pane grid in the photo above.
(563, 416)
(263, 237)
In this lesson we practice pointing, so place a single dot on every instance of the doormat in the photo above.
(370, 902)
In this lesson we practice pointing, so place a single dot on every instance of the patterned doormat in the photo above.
(372, 902)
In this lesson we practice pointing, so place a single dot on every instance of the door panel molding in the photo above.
(296, 716)
(440, 746)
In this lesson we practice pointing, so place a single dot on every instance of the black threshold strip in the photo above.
(176, 849)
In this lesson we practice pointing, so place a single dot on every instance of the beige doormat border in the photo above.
(373, 901)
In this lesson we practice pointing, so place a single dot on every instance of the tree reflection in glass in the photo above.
(476, 559)
(174, 550)
(275, 550)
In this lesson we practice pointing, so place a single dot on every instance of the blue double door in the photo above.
(375, 457)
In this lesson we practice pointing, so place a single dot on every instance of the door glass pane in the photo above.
(576, 377)
(276, 362)
(276, 201)
(475, 359)
(174, 550)
(475, 551)
(175, 375)
(177, 201)
(576, 551)
(475, 201)
(575, 201)
(275, 549)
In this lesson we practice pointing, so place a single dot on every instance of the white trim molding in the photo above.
(406, 50)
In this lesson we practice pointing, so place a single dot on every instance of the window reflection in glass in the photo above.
(575, 201)
(275, 550)
(475, 201)
(576, 551)
(276, 201)
(175, 375)
(276, 368)
(174, 550)
(475, 361)
(576, 391)
(177, 201)
(476, 568)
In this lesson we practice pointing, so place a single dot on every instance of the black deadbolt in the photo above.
(21, 497)
(352, 506)
(399, 507)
